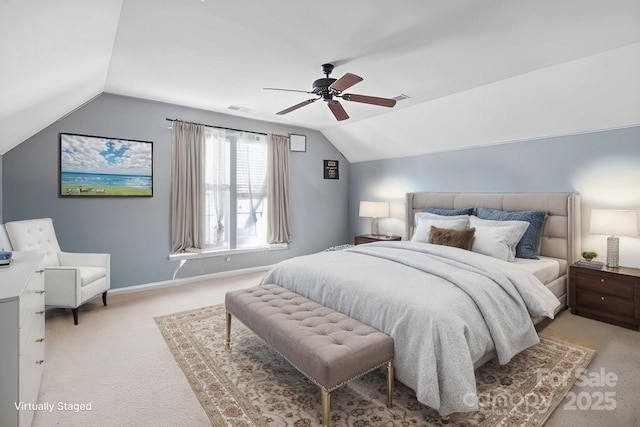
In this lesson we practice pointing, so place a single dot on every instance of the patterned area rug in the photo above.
(251, 385)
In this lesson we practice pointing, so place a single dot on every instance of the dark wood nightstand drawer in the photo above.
(605, 284)
(370, 238)
(605, 304)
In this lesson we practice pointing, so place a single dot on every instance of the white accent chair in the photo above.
(70, 279)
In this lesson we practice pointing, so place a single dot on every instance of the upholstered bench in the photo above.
(328, 347)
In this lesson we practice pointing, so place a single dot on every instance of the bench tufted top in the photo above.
(327, 346)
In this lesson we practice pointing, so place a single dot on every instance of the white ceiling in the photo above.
(477, 73)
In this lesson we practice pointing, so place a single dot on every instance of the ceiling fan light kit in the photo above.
(327, 89)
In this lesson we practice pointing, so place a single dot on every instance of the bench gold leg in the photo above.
(227, 342)
(444, 419)
(326, 407)
(389, 384)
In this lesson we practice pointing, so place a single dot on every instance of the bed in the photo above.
(449, 310)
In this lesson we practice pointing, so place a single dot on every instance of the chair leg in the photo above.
(75, 315)
(104, 298)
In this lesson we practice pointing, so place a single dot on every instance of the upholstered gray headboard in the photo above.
(561, 232)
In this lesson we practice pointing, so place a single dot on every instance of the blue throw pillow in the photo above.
(528, 245)
(449, 212)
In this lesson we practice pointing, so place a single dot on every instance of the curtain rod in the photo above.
(215, 127)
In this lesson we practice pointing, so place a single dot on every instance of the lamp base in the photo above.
(374, 226)
(613, 251)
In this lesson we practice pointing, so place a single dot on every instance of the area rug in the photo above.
(251, 385)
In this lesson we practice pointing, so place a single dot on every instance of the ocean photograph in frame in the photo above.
(95, 166)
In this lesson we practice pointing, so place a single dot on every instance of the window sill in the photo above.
(207, 253)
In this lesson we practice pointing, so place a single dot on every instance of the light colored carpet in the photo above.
(117, 360)
(252, 385)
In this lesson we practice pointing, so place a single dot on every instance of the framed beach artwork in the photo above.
(96, 166)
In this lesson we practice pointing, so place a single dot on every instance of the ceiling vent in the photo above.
(238, 108)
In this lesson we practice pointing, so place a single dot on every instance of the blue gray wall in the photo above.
(604, 167)
(1, 173)
(136, 231)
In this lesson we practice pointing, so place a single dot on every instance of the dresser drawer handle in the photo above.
(40, 312)
(40, 340)
(40, 271)
(601, 280)
(602, 298)
(40, 292)
(39, 362)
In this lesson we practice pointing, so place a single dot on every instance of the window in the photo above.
(236, 189)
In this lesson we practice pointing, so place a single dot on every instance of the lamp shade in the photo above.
(374, 209)
(614, 222)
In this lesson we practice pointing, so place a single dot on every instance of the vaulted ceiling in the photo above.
(476, 73)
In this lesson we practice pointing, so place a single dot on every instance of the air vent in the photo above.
(401, 97)
(238, 108)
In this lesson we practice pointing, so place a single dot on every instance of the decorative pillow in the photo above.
(497, 239)
(462, 239)
(449, 212)
(528, 245)
(421, 234)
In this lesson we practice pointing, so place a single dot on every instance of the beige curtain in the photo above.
(187, 187)
(279, 216)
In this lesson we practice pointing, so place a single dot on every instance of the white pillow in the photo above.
(423, 229)
(497, 239)
(430, 215)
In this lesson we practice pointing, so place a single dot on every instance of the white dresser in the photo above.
(21, 337)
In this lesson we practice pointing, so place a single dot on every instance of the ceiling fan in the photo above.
(327, 89)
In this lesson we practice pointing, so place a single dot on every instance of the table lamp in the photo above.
(374, 210)
(614, 223)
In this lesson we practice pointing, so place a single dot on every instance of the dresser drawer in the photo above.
(605, 304)
(30, 370)
(32, 298)
(605, 284)
(32, 332)
(32, 361)
(31, 311)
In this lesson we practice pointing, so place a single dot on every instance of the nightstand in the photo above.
(611, 295)
(369, 238)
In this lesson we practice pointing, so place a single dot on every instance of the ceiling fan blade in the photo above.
(337, 110)
(286, 90)
(295, 107)
(345, 82)
(383, 102)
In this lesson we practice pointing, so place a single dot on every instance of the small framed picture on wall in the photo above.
(331, 169)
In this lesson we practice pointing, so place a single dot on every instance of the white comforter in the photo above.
(444, 307)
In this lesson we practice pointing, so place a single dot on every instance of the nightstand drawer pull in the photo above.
(39, 362)
(602, 280)
(602, 298)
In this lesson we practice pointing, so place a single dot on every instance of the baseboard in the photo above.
(186, 280)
